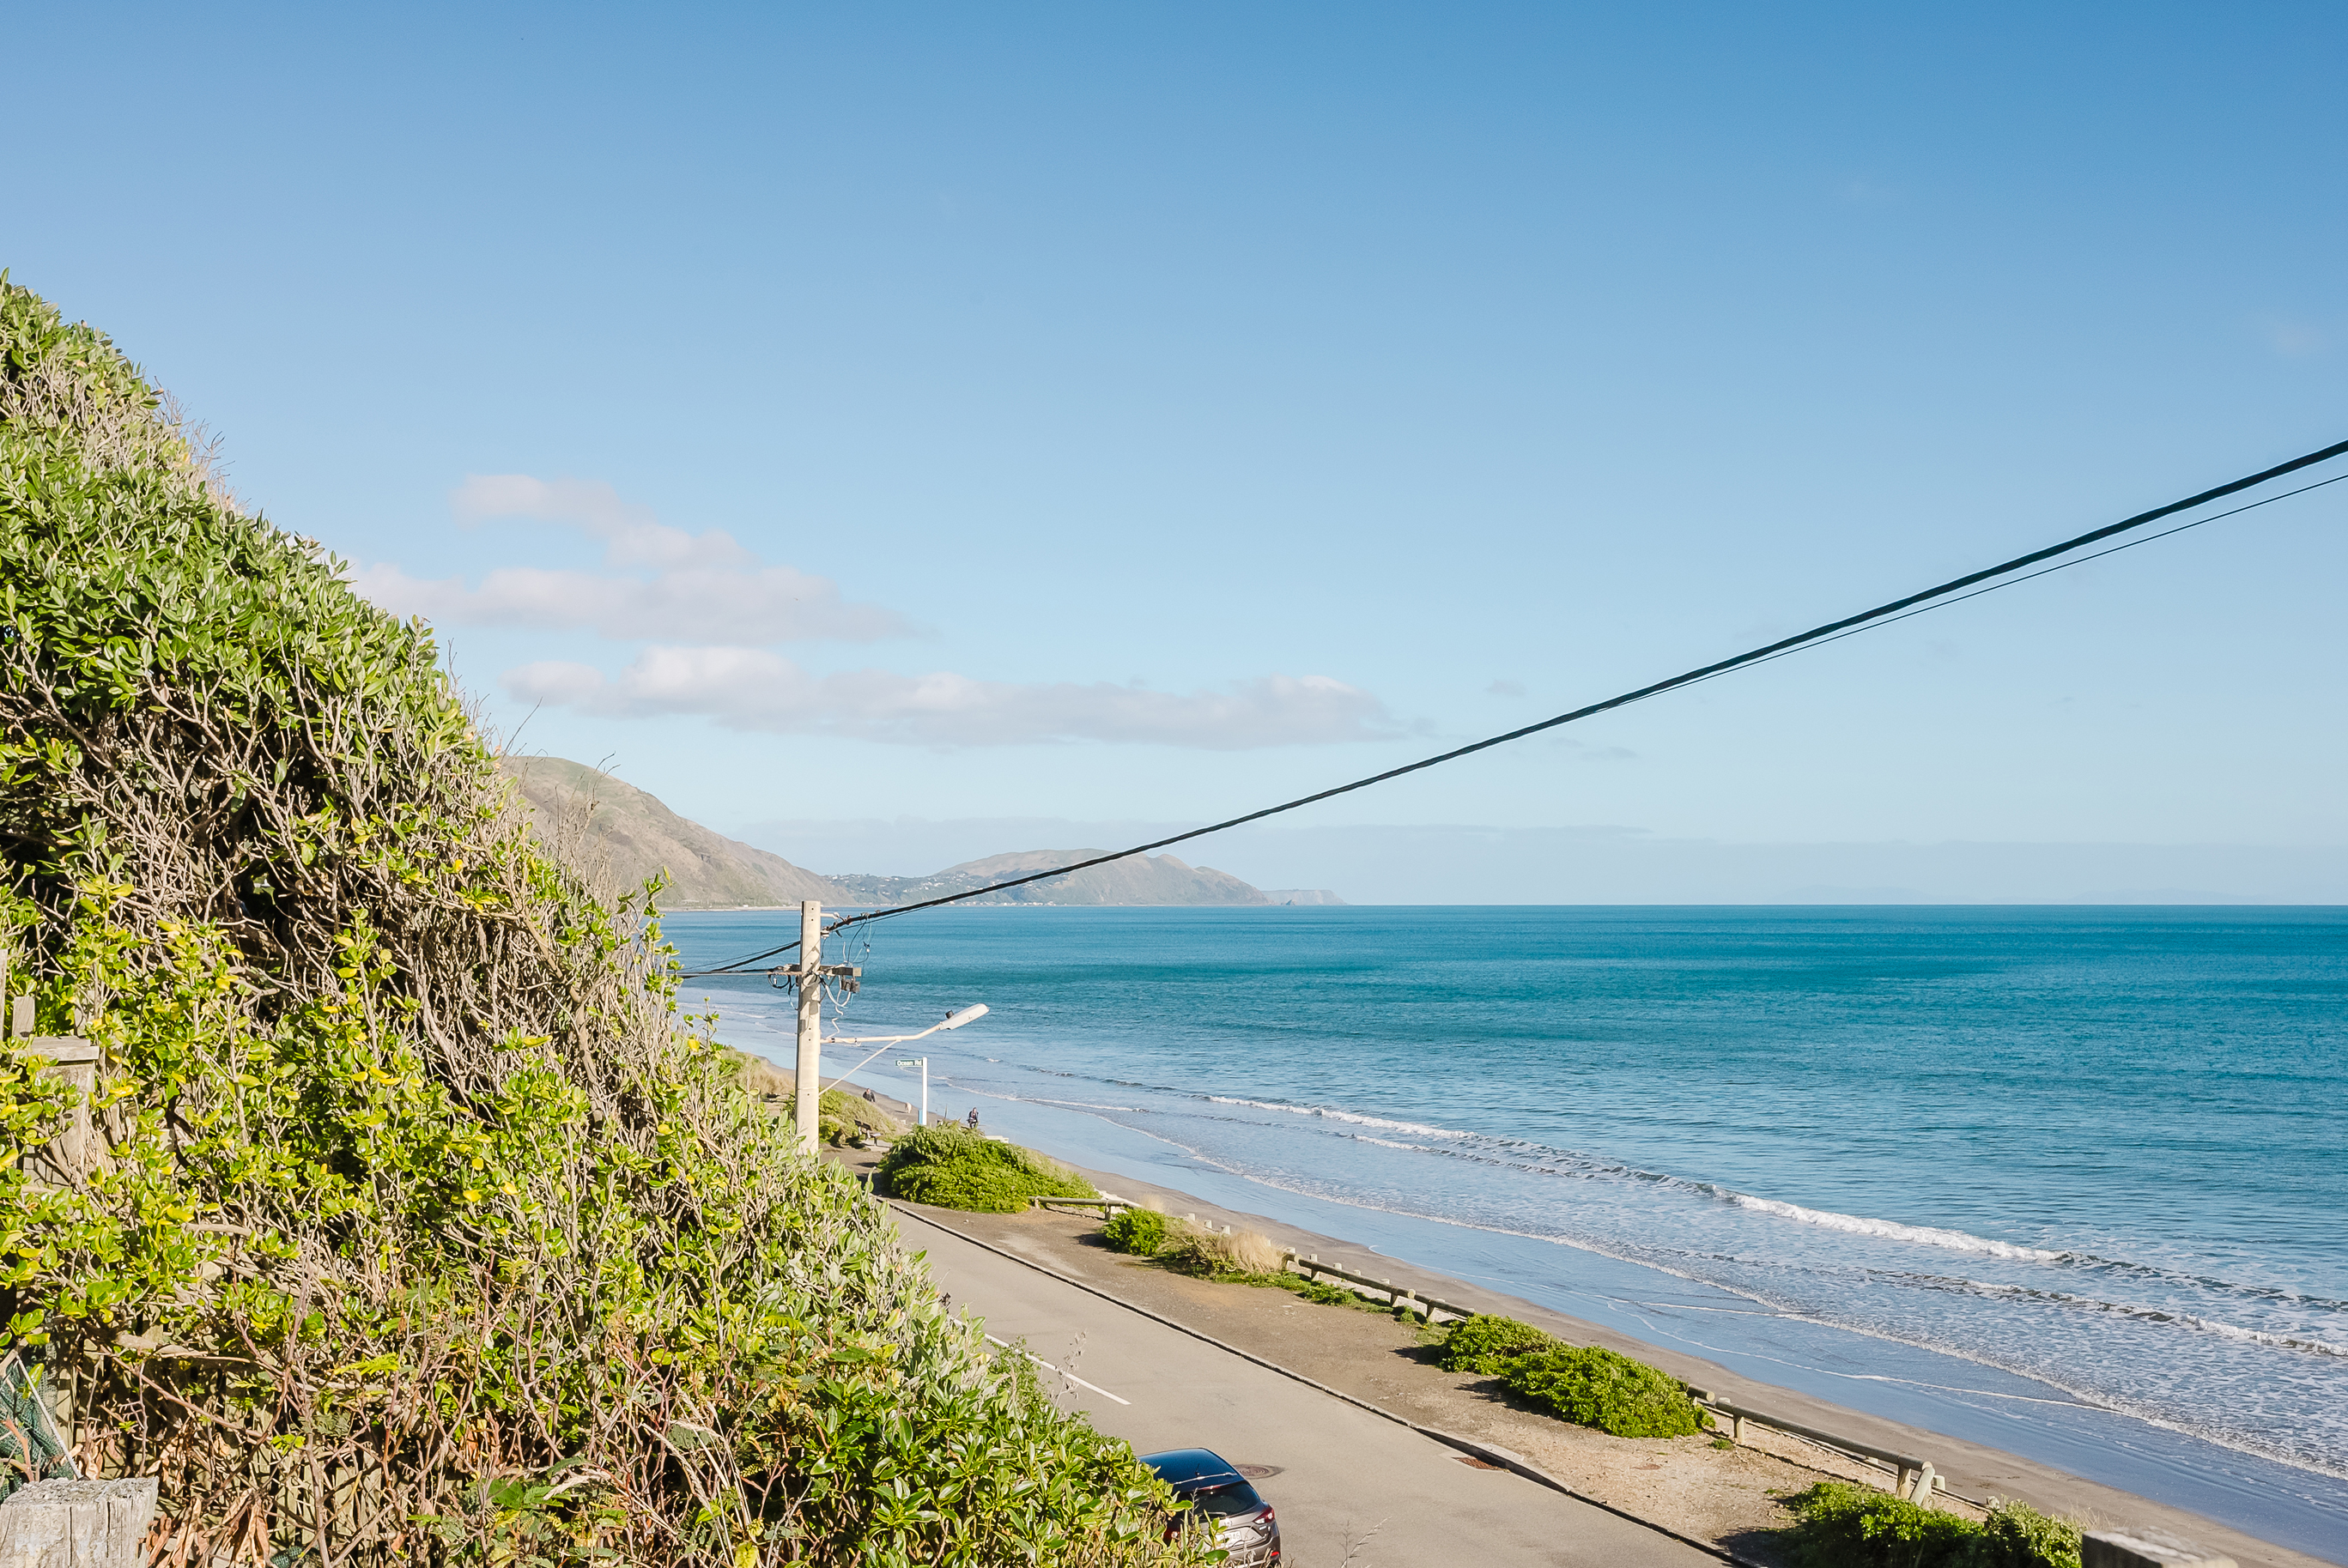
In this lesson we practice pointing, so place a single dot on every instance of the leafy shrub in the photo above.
(1844, 1525)
(2016, 1535)
(1141, 1232)
(1597, 1388)
(428, 1229)
(956, 1168)
(1481, 1343)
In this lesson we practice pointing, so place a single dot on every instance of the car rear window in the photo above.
(1223, 1501)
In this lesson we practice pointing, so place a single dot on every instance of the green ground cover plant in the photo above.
(956, 1168)
(423, 1227)
(1483, 1342)
(1328, 1295)
(1138, 1232)
(1840, 1524)
(1592, 1387)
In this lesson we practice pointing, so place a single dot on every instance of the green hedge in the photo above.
(1141, 1232)
(1844, 1525)
(1482, 1342)
(467, 1245)
(954, 1168)
(1597, 1388)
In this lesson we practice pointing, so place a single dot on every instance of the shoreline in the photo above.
(1972, 1471)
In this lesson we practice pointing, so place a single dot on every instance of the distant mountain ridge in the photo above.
(615, 830)
(1143, 879)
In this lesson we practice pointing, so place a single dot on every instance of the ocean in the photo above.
(2066, 1180)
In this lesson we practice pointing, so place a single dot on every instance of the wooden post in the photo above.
(810, 1057)
(74, 1524)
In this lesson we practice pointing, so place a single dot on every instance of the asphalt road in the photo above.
(1349, 1483)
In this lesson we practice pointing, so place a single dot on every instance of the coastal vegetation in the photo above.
(1840, 1524)
(851, 1119)
(1588, 1385)
(1137, 1232)
(1594, 1386)
(1484, 1342)
(956, 1168)
(419, 1225)
(1244, 1257)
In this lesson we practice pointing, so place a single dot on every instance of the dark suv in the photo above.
(1220, 1495)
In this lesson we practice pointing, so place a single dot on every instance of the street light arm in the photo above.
(952, 1020)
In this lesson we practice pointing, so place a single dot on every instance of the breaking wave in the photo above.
(1858, 1225)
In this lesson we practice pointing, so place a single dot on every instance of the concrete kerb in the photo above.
(1490, 1453)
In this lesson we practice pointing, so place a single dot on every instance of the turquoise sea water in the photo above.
(2070, 1182)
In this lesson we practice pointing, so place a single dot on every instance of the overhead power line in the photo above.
(1833, 630)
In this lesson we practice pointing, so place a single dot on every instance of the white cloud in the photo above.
(667, 583)
(751, 689)
(767, 604)
(631, 535)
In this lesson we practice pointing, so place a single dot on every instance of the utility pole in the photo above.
(811, 1059)
(808, 974)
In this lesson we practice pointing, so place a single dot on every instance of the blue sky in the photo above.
(900, 434)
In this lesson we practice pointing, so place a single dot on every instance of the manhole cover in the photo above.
(1258, 1472)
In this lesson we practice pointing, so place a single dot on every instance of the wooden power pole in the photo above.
(811, 1059)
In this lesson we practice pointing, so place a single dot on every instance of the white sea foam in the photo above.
(1357, 1119)
(1891, 1230)
(2258, 1336)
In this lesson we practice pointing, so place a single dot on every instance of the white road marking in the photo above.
(1071, 1376)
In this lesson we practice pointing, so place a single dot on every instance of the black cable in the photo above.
(1830, 631)
(2043, 571)
(739, 964)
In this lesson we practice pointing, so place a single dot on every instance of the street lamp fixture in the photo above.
(952, 1020)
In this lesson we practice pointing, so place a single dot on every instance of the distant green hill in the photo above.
(621, 832)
